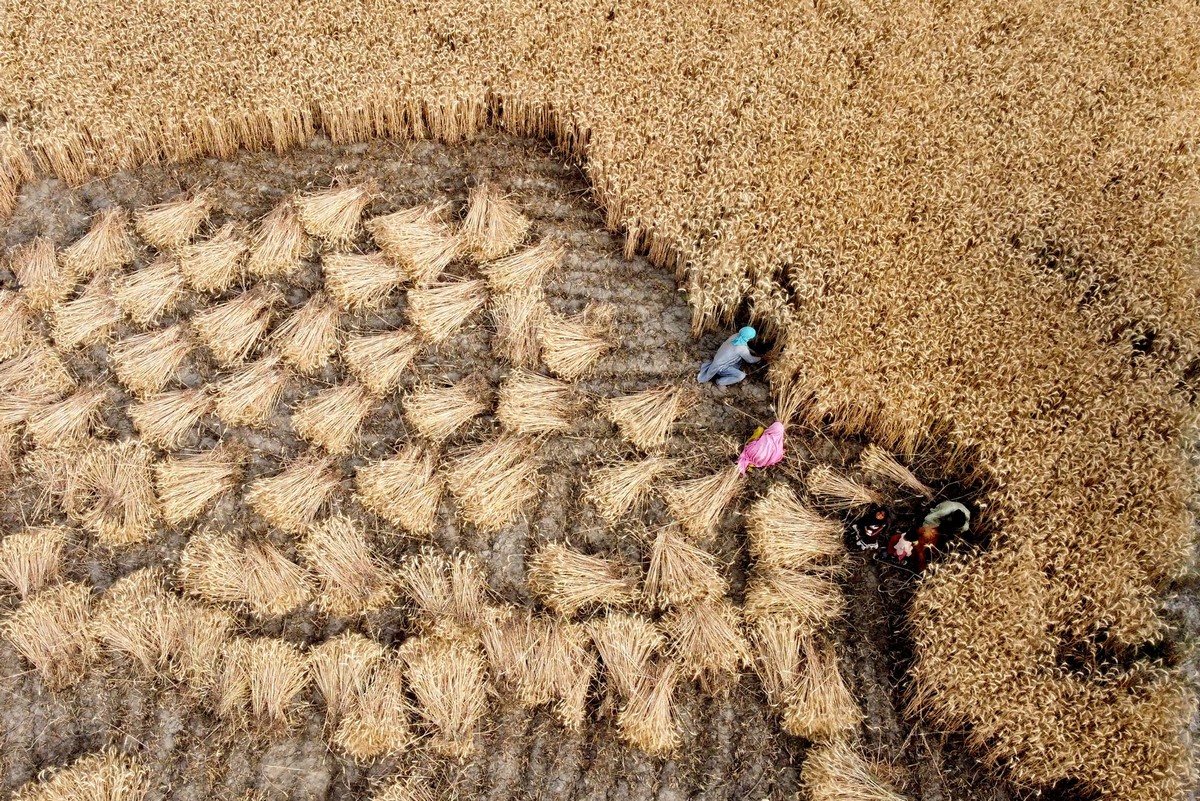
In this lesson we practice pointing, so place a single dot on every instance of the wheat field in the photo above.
(969, 228)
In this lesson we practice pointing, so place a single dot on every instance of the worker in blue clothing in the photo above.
(725, 365)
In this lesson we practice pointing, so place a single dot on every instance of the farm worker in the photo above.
(764, 449)
(942, 521)
(871, 528)
(729, 357)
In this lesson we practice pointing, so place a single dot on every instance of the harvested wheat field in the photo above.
(350, 443)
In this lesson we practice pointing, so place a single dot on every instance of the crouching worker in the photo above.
(943, 521)
(725, 365)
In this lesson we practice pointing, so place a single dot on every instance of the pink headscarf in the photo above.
(764, 451)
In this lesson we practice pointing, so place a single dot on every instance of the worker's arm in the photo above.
(744, 352)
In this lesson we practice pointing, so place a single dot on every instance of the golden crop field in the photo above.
(968, 230)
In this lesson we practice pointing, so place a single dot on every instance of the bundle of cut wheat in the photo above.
(137, 618)
(105, 247)
(16, 408)
(376, 722)
(834, 771)
(568, 581)
(146, 362)
(352, 577)
(438, 310)
(340, 668)
(173, 224)
(167, 420)
(493, 226)
(188, 484)
(292, 498)
(535, 404)
(707, 640)
(36, 372)
(333, 417)
(680, 573)
(509, 635)
(813, 598)
(786, 533)
(249, 396)
(88, 319)
(448, 594)
(150, 292)
(214, 567)
(875, 461)
(645, 418)
(698, 503)
(333, 215)
(447, 678)
(51, 630)
(216, 263)
(378, 360)
(571, 346)
(310, 336)
(820, 707)
(277, 244)
(492, 482)
(106, 776)
(43, 280)
(524, 271)
(407, 788)
(437, 411)
(626, 643)
(68, 420)
(360, 282)
(261, 677)
(403, 489)
(617, 490)
(231, 329)
(777, 640)
(111, 493)
(8, 453)
(14, 323)
(647, 720)
(517, 316)
(838, 491)
(561, 669)
(30, 559)
(204, 633)
(417, 240)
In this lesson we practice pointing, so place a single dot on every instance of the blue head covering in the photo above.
(744, 336)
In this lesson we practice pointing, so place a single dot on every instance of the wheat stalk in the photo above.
(785, 533)
(145, 363)
(352, 577)
(231, 329)
(31, 559)
(680, 573)
(403, 489)
(438, 310)
(617, 490)
(51, 631)
(493, 226)
(277, 244)
(417, 241)
(105, 247)
(436, 412)
(292, 498)
(360, 282)
(168, 419)
(535, 404)
(310, 336)
(698, 503)
(151, 292)
(44, 281)
(517, 317)
(89, 319)
(645, 418)
(333, 417)
(334, 214)
(378, 360)
(170, 225)
(494, 481)
(249, 396)
(568, 581)
(571, 346)
(526, 270)
(188, 484)
(216, 263)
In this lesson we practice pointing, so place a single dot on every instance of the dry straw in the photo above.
(351, 576)
(493, 481)
(493, 227)
(260, 679)
(626, 643)
(307, 338)
(448, 594)
(812, 598)
(146, 363)
(231, 329)
(680, 573)
(418, 241)
(648, 719)
(169, 419)
(568, 581)
(403, 489)
(517, 316)
(106, 776)
(340, 668)
(406, 788)
(437, 311)
(617, 490)
(360, 282)
(31, 559)
(257, 576)
(333, 417)
(151, 292)
(376, 723)
(698, 503)
(89, 319)
(171, 225)
(437, 411)
(447, 678)
(15, 317)
(137, 618)
(249, 396)
(43, 280)
(509, 635)
(777, 640)
(216, 263)
(875, 461)
(187, 485)
(292, 498)
(51, 630)
(524, 271)
(571, 346)
(536, 404)
(70, 420)
(110, 492)
(277, 244)
(707, 641)
(334, 214)
(838, 491)
(821, 706)
(834, 771)
(107, 246)
(645, 418)
(563, 669)
(786, 533)
(205, 631)
(379, 360)
(36, 372)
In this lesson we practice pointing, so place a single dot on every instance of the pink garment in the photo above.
(763, 451)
